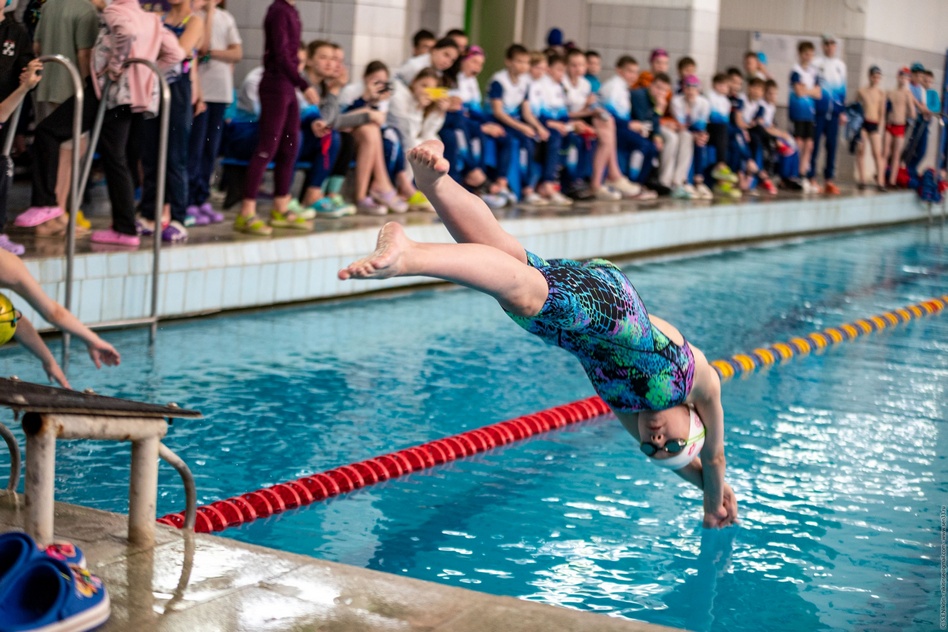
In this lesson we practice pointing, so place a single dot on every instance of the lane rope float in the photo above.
(281, 497)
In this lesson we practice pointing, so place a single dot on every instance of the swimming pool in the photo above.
(838, 460)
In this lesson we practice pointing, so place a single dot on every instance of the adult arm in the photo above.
(14, 275)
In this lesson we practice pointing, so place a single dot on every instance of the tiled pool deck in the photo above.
(220, 270)
(198, 583)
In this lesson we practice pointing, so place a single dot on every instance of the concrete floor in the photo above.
(198, 583)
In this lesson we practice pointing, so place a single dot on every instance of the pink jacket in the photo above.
(128, 31)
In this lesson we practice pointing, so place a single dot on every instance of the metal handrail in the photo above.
(190, 490)
(7, 435)
(73, 184)
(164, 125)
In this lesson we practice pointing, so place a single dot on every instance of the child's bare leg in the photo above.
(518, 288)
(367, 144)
(897, 143)
(860, 158)
(465, 215)
(876, 141)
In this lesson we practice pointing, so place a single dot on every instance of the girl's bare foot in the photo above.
(388, 259)
(428, 162)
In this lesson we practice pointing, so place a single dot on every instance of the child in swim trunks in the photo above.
(872, 99)
(661, 388)
(901, 108)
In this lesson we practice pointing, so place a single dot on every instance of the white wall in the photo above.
(917, 24)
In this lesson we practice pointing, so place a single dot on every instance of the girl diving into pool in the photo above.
(661, 388)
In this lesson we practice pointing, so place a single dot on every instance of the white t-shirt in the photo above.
(469, 91)
(616, 97)
(511, 94)
(410, 69)
(752, 110)
(547, 99)
(768, 112)
(720, 107)
(217, 77)
(695, 115)
(577, 96)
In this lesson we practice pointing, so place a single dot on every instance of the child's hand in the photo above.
(493, 130)
(543, 133)
(377, 117)
(723, 515)
(32, 74)
(55, 374)
(319, 128)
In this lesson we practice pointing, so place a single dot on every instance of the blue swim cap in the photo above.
(762, 56)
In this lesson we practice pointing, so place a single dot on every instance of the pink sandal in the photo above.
(36, 215)
(115, 238)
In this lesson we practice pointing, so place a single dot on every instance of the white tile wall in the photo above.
(256, 273)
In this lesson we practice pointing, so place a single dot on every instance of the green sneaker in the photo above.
(333, 207)
(306, 212)
(724, 174)
(727, 189)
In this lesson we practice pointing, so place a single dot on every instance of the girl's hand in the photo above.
(102, 352)
(200, 108)
(55, 374)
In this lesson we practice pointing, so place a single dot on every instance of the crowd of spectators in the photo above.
(550, 130)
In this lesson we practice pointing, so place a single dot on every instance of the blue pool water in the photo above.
(838, 460)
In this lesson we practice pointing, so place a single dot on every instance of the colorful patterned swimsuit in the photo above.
(593, 312)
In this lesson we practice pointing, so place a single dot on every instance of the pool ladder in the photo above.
(80, 176)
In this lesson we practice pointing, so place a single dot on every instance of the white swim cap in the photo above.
(692, 447)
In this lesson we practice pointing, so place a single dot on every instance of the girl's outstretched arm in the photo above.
(26, 335)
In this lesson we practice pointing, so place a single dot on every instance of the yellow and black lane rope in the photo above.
(780, 352)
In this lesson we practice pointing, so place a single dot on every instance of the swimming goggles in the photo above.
(672, 446)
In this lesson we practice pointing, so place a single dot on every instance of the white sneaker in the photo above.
(681, 193)
(703, 192)
(558, 199)
(807, 186)
(606, 194)
(534, 199)
(626, 187)
(691, 191)
(647, 195)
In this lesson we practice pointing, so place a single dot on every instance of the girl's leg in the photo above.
(274, 104)
(464, 214)
(368, 149)
(518, 288)
(285, 159)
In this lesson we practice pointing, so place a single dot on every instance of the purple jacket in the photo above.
(282, 30)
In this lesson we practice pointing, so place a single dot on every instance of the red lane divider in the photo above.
(275, 499)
